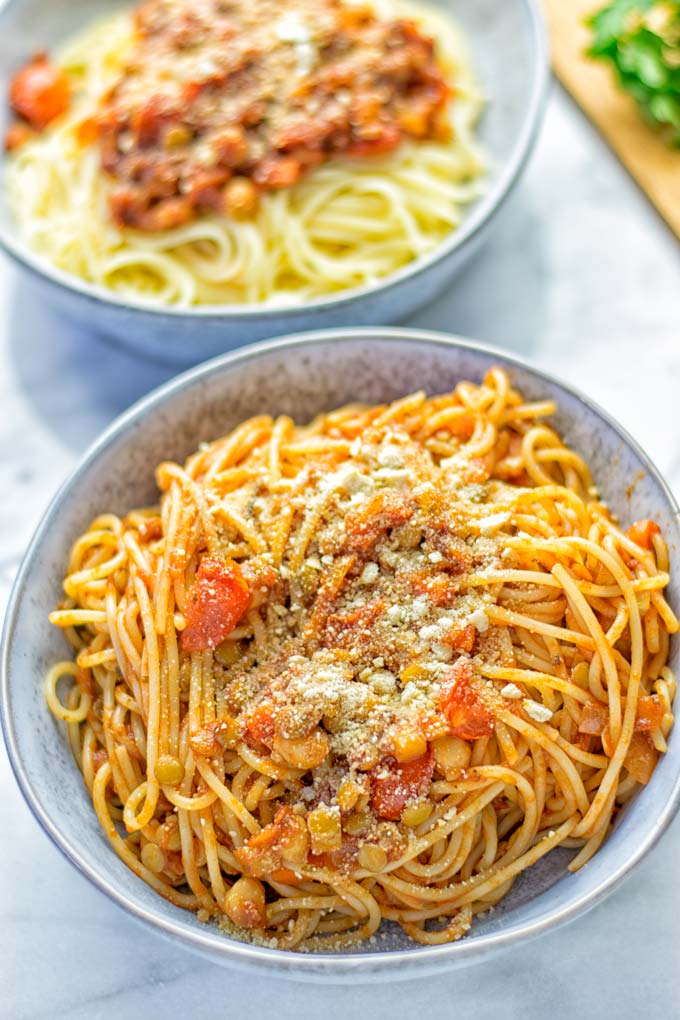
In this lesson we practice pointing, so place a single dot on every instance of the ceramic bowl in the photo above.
(507, 42)
(301, 376)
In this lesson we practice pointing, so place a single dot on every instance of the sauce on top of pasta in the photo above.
(370, 668)
(224, 99)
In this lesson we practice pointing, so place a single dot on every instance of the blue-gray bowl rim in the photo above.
(398, 964)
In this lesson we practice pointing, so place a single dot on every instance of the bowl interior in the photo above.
(513, 90)
(301, 379)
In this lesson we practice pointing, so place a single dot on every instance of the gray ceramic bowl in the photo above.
(300, 376)
(508, 45)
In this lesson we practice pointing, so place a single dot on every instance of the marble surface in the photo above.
(583, 278)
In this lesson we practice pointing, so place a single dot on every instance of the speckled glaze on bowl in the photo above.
(301, 376)
(508, 46)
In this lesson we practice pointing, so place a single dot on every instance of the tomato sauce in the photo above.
(222, 100)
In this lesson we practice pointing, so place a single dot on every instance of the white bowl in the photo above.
(510, 54)
(301, 376)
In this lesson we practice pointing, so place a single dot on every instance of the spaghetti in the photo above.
(259, 152)
(370, 668)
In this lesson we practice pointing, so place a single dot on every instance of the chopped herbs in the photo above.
(641, 39)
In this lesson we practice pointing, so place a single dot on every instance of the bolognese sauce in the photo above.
(222, 100)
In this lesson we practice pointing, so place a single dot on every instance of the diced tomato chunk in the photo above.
(151, 529)
(217, 601)
(388, 139)
(641, 758)
(462, 427)
(343, 858)
(355, 626)
(650, 712)
(594, 718)
(282, 843)
(164, 215)
(353, 16)
(303, 132)
(462, 638)
(261, 723)
(480, 468)
(393, 785)
(231, 146)
(39, 92)
(642, 533)
(286, 875)
(440, 589)
(468, 716)
(374, 518)
(149, 121)
(18, 134)
(278, 172)
(87, 131)
(457, 558)
(204, 742)
(204, 188)
(191, 91)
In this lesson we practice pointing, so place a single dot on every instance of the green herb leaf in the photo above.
(641, 40)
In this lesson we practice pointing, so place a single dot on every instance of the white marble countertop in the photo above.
(581, 276)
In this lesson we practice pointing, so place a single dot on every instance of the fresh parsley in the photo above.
(641, 39)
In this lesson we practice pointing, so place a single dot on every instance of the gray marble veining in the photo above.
(583, 278)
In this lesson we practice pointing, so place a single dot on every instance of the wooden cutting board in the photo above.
(654, 165)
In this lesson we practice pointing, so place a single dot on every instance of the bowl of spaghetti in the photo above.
(258, 167)
(352, 654)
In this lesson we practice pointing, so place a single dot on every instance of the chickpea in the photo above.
(244, 903)
(153, 858)
(451, 754)
(408, 744)
(416, 813)
(303, 752)
(240, 198)
(372, 857)
(324, 828)
(169, 770)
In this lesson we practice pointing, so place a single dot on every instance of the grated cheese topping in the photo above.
(367, 658)
(537, 711)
